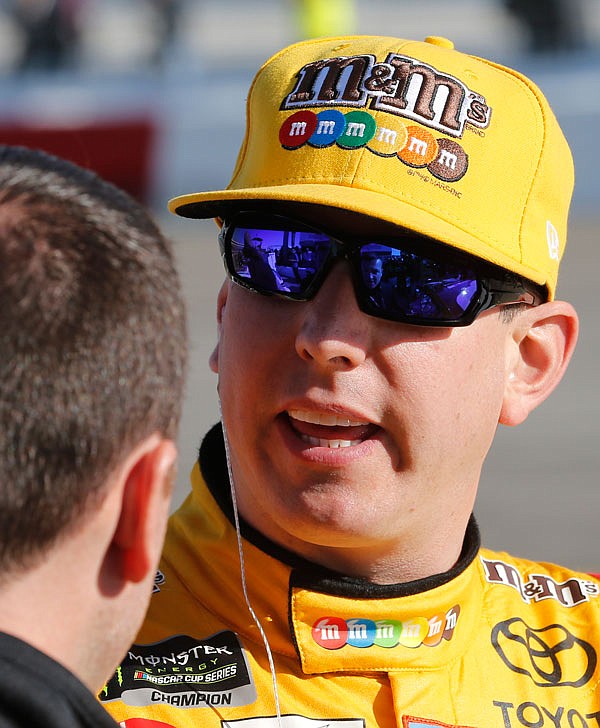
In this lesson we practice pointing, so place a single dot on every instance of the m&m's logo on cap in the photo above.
(411, 144)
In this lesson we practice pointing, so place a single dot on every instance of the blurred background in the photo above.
(151, 94)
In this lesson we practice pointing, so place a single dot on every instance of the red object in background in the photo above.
(144, 723)
(119, 150)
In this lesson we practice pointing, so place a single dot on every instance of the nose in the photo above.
(334, 333)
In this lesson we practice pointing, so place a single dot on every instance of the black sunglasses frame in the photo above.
(496, 286)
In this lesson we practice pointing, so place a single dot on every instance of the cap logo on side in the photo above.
(401, 86)
(553, 241)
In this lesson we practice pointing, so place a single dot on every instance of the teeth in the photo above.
(320, 418)
(319, 442)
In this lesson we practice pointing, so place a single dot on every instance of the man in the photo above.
(357, 593)
(88, 418)
(372, 272)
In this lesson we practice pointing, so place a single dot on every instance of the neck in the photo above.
(64, 604)
(386, 566)
(42, 607)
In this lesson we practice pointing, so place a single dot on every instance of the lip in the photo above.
(302, 427)
(326, 418)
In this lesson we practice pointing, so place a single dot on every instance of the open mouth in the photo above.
(320, 429)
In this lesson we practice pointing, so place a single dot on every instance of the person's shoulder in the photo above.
(34, 685)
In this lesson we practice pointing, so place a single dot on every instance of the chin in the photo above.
(338, 530)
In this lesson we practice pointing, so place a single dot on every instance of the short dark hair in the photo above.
(93, 345)
(509, 313)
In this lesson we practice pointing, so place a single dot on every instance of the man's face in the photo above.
(372, 270)
(353, 435)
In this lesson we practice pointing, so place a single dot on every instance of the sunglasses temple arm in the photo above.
(510, 295)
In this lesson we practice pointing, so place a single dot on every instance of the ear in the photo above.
(213, 360)
(541, 345)
(147, 478)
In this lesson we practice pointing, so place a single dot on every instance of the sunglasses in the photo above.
(409, 278)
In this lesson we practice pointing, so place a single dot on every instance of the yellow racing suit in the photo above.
(496, 642)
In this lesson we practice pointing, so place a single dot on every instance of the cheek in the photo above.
(247, 326)
(251, 348)
(475, 388)
(453, 388)
(213, 359)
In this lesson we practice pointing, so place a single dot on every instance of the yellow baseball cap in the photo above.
(412, 133)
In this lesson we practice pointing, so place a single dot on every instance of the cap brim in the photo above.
(372, 204)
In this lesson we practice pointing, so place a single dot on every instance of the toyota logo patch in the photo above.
(550, 656)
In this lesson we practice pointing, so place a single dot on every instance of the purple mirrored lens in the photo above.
(396, 280)
(278, 261)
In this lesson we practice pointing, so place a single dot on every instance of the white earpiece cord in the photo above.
(243, 573)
